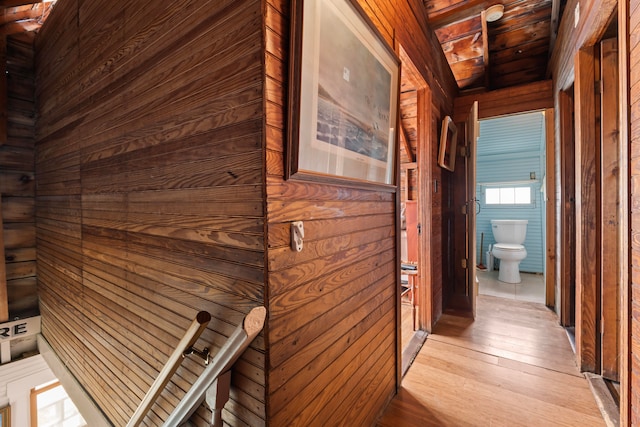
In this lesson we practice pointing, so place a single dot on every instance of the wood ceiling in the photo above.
(491, 55)
(19, 16)
(511, 51)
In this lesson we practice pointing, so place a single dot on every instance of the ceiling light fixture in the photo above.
(494, 12)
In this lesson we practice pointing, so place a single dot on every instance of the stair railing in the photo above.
(192, 334)
(214, 382)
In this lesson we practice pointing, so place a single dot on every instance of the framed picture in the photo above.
(448, 142)
(5, 416)
(343, 97)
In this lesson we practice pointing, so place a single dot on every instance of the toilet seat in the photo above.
(508, 247)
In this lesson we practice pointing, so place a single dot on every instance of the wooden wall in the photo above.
(150, 204)
(634, 220)
(16, 178)
(333, 350)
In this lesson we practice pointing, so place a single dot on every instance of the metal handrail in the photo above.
(207, 383)
(192, 334)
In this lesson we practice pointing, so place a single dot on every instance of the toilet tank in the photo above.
(509, 230)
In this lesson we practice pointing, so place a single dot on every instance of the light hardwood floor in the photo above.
(512, 366)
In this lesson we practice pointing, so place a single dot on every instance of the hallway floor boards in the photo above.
(513, 366)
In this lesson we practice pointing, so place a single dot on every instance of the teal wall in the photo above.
(509, 149)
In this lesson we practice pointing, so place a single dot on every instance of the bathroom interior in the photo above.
(510, 166)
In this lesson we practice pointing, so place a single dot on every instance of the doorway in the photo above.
(511, 194)
(415, 201)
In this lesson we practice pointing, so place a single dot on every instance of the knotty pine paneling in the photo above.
(150, 194)
(332, 306)
(634, 219)
(16, 178)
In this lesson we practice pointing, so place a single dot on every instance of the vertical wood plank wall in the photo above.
(332, 342)
(150, 194)
(634, 140)
(16, 178)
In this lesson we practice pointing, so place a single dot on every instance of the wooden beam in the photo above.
(587, 213)
(550, 207)
(406, 144)
(609, 214)
(19, 27)
(20, 14)
(555, 22)
(567, 209)
(512, 100)
(456, 12)
(485, 49)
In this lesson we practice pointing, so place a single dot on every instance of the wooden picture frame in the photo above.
(343, 97)
(448, 143)
(5, 416)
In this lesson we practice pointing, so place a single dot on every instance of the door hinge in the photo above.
(598, 86)
(463, 262)
(463, 210)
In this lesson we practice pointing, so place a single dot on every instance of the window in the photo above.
(508, 196)
(52, 407)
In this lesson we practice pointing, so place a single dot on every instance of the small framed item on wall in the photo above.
(448, 142)
(343, 97)
(5, 416)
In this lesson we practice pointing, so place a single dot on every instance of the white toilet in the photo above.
(509, 249)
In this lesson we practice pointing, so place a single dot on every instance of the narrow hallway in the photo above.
(513, 366)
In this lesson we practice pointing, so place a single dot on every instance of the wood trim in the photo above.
(624, 207)
(595, 16)
(423, 146)
(456, 12)
(609, 212)
(517, 99)
(550, 208)
(33, 398)
(587, 214)
(567, 210)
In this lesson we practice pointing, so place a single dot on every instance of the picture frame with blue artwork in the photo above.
(343, 97)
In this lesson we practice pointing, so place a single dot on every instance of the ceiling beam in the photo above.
(406, 143)
(15, 14)
(20, 27)
(555, 21)
(485, 48)
(457, 12)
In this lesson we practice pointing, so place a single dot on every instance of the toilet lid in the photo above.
(508, 247)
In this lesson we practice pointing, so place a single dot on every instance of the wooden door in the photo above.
(471, 137)
(609, 214)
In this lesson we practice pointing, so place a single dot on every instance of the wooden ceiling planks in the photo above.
(20, 17)
(518, 43)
